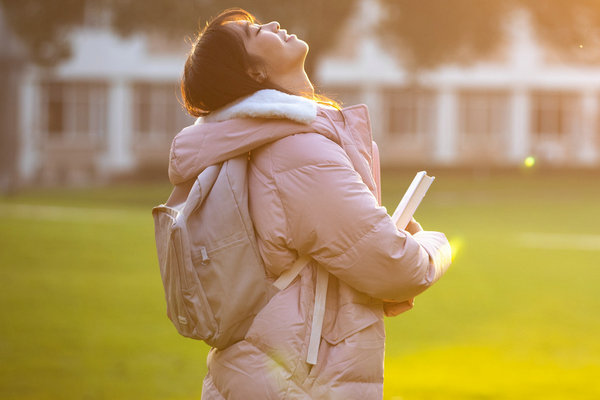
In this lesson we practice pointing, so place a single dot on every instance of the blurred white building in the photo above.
(112, 108)
(490, 113)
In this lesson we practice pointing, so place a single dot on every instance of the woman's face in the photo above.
(281, 53)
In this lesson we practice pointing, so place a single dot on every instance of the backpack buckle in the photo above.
(204, 254)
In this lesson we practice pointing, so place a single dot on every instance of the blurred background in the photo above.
(500, 100)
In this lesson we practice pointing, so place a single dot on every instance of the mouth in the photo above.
(286, 37)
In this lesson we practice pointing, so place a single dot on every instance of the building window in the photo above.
(554, 114)
(483, 114)
(74, 110)
(157, 113)
(409, 112)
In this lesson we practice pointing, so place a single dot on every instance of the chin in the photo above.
(305, 45)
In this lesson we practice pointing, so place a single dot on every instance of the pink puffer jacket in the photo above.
(313, 190)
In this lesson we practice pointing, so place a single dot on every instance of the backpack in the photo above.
(212, 272)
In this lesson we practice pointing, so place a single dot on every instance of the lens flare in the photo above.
(529, 162)
(456, 244)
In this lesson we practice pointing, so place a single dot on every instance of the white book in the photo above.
(411, 199)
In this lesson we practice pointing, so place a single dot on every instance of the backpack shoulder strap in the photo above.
(201, 187)
(319, 308)
(288, 276)
(318, 315)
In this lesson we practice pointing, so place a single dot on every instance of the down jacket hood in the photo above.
(249, 123)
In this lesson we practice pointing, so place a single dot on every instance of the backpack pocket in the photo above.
(234, 311)
(187, 306)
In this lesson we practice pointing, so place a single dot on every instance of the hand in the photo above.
(393, 308)
(413, 227)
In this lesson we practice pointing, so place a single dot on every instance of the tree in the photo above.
(424, 33)
(427, 33)
(44, 25)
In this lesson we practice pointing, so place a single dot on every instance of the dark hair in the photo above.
(216, 70)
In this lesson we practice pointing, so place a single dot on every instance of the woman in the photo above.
(313, 190)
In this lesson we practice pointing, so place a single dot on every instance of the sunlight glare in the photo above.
(529, 161)
(456, 244)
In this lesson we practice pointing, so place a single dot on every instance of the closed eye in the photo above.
(248, 29)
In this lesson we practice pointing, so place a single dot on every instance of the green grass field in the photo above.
(516, 317)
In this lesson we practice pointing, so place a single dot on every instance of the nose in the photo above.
(274, 25)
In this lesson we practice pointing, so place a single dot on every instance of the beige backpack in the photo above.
(212, 272)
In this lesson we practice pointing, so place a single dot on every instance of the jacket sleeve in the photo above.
(334, 218)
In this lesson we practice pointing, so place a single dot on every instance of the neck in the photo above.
(297, 83)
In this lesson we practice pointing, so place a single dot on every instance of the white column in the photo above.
(119, 155)
(519, 144)
(587, 150)
(446, 128)
(29, 111)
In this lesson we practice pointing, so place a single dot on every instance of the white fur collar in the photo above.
(267, 103)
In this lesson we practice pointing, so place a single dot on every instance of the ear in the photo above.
(258, 75)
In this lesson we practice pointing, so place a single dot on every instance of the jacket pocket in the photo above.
(352, 318)
(352, 351)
